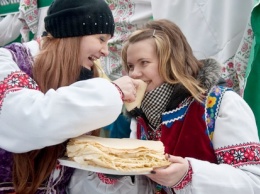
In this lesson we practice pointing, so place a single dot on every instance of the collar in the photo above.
(155, 102)
(85, 74)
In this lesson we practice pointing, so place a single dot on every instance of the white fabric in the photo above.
(235, 123)
(213, 28)
(42, 14)
(235, 126)
(88, 182)
(219, 29)
(34, 47)
(10, 28)
(142, 12)
(133, 127)
(31, 120)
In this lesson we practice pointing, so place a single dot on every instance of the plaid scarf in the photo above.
(155, 102)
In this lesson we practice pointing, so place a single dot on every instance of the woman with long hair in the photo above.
(54, 93)
(209, 132)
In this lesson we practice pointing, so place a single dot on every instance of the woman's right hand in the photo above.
(128, 87)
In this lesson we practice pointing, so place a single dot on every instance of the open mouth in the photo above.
(92, 58)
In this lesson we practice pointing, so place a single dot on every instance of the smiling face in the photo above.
(93, 47)
(143, 63)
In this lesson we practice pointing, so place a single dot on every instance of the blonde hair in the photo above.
(177, 64)
(56, 65)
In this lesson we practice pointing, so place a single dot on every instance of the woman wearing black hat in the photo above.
(38, 116)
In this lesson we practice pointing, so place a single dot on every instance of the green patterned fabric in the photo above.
(252, 89)
(5, 9)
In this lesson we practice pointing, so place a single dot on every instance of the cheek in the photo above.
(155, 77)
(156, 82)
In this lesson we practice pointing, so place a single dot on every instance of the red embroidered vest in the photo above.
(182, 132)
(187, 130)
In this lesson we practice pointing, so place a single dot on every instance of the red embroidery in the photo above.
(58, 166)
(185, 180)
(239, 155)
(105, 179)
(14, 82)
(119, 90)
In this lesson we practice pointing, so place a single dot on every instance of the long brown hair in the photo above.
(177, 64)
(56, 65)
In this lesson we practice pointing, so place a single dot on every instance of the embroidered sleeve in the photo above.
(119, 90)
(185, 180)
(106, 179)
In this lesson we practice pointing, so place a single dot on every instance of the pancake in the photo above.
(140, 91)
(119, 154)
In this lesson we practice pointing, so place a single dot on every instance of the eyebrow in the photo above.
(141, 59)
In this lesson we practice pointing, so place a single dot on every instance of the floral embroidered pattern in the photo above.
(185, 180)
(29, 17)
(239, 155)
(105, 179)
(234, 68)
(211, 101)
(154, 134)
(122, 11)
(212, 107)
(14, 82)
(27, 4)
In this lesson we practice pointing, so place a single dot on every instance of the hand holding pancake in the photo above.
(128, 87)
(140, 91)
(172, 174)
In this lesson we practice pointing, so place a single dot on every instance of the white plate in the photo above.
(67, 162)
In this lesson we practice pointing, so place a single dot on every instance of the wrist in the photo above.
(185, 180)
(119, 90)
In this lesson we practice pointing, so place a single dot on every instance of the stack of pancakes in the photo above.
(127, 155)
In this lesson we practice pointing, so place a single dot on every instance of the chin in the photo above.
(148, 90)
(88, 66)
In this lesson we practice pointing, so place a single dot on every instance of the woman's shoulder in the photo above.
(6, 60)
(226, 98)
(33, 46)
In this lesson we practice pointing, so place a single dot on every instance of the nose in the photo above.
(135, 73)
(104, 50)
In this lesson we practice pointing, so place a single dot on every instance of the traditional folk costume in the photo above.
(221, 130)
(218, 137)
(26, 123)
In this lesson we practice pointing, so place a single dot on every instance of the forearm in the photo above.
(29, 119)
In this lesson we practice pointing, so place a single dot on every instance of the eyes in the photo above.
(142, 63)
(102, 39)
(130, 67)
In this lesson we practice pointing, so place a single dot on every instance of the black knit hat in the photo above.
(70, 18)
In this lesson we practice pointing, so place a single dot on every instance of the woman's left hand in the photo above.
(171, 175)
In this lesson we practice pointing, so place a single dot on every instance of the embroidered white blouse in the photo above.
(237, 147)
(32, 120)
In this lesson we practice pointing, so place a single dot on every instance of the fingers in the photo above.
(128, 87)
(172, 174)
(136, 82)
(174, 159)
